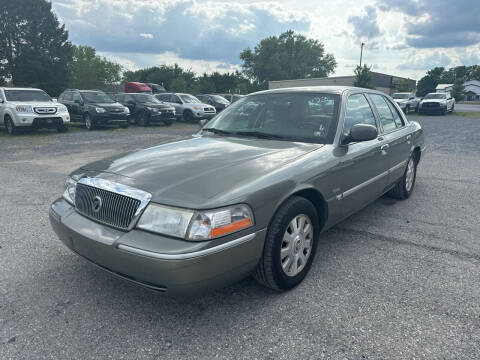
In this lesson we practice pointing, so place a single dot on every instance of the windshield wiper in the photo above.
(218, 131)
(259, 134)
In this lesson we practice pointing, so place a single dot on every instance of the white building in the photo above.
(472, 89)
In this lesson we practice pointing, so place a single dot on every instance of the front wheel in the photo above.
(11, 128)
(404, 187)
(142, 119)
(62, 128)
(89, 124)
(188, 116)
(290, 245)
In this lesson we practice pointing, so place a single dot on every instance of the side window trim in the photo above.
(372, 108)
(383, 132)
(399, 114)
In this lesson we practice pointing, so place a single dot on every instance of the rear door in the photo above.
(396, 135)
(77, 107)
(362, 172)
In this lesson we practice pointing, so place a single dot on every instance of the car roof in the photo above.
(315, 89)
(17, 88)
(404, 92)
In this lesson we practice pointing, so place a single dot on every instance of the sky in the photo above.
(402, 37)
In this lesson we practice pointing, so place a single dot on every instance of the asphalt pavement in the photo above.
(467, 107)
(398, 280)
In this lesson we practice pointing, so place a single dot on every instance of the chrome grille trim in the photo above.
(122, 204)
(45, 110)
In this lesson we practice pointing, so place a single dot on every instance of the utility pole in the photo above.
(361, 53)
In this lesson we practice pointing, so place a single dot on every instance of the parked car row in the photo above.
(432, 103)
(34, 108)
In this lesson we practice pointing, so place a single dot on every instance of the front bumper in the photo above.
(155, 261)
(432, 110)
(41, 121)
(164, 116)
(203, 115)
(110, 118)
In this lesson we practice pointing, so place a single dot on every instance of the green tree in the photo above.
(89, 71)
(458, 89)
(429, 82)
(34, 47)
(363, 77)
(288, 56)
(404, 86)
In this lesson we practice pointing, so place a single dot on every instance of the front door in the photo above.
(362, 171)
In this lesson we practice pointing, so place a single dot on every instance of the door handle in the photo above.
(384, 147)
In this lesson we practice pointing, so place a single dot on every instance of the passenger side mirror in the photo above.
(361, 132)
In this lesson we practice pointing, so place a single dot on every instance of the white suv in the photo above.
(34, 108)
(188, 106)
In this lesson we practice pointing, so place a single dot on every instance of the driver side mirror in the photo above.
(360, 132)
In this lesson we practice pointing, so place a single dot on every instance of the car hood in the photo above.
(192, 173)
(35, 103)
(433, 101)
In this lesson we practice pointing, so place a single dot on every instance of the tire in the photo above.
(11, 128)
(168, 122)
(453, 108)
(444, 111)
(405, 185)
(89, 123)
(62, 128)
(124, 125)
(142, 119)
(188, 116)
(272, 269)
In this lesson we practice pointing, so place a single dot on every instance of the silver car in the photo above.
(188, 106)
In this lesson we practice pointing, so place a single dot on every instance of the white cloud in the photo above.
(146, 36)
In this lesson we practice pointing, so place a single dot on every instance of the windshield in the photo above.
(189, 99)
(146, 98)
(96, 97)
(27, 95)
(220, 99)
(435, 96)
(304, 117)
(401, 96)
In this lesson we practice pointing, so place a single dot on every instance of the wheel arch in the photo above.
(314, 196)
(417, 154)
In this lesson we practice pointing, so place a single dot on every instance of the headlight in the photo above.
(165, 220)
(100, 110)
(24, 108)
(126, 110)
(62, 108)
(196, 225)
(70, 188)
(210, 224)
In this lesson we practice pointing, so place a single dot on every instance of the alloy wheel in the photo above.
(410, 175)
(296, 245)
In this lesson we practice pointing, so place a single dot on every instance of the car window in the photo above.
(358, 112)
(304, 117)
(176, 99)
(386, 116)
(396, 115)
(67, 96)
(76, 96)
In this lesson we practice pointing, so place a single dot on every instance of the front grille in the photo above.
(207, 109)
(116, 110)
(432, 104)
(115, 210)
(45, 110)
(47, 121)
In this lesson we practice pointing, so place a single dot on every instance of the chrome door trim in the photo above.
(191, 255)
(370, 181)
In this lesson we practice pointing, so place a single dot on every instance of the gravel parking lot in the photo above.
(399, 280)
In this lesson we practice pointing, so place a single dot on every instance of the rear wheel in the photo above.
(11, 128)
(290, 245)
(89, 124)
(404, 187)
